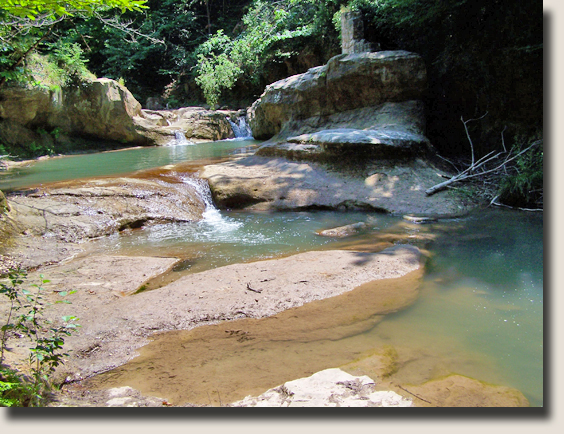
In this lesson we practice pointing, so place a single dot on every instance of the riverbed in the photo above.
(480, 306)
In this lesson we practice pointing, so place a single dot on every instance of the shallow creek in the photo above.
(479, 310)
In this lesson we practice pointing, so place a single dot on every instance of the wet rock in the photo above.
(343, 231)
(78, 210)
(460, 391)
(116, 326)
(327, 388)
(194, 123)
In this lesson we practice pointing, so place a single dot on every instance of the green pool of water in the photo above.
(114, 162)
(480, 309)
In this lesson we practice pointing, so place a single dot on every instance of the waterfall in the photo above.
(211, 216)
(241, 130)
(179, 139)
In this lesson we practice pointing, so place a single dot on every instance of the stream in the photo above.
(480, 306)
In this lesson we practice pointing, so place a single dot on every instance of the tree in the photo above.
(25, 24)
(36, 9)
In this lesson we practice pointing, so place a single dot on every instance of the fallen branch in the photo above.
(411, 393)
(493, 202)
(472, 170)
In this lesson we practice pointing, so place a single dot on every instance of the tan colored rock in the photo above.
(343, 231)
(194, 123)
(460, 391)
(118, 328)
(77, 210)
(347, 82)
(260, 183)
(4, 207)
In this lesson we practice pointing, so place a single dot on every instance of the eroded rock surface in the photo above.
(78, 210)
(114, 326)
(100, 109)
(327, 388)
(194, 124)
(260, 183)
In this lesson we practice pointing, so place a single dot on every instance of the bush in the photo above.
(25, 318)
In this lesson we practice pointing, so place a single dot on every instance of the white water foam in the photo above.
(241, 130)
(211, 216)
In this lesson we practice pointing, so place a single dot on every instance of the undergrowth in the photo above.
(25, 319)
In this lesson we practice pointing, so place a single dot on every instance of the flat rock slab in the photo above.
(75, 211)
(327, 388)
(114, 326)
(261, 183)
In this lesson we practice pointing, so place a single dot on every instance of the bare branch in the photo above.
(465, 123)
(472, 171)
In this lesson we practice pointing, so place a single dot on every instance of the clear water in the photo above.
(115, 162)
(480, 310)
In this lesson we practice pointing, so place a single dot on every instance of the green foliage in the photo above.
(273, 33)
(216, 72)
(26, 317)
(32, 9)
(522, 186)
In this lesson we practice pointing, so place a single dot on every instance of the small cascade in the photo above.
(179, 139)
(212, 216)
(241, 130)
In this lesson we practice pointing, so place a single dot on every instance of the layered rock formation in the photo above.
(79, 210)
(364, 102)
(100, 109)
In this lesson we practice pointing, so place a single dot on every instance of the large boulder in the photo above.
(359, 106)
(347, 82)
(101, 109)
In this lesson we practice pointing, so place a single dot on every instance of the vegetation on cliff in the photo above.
(481, 56)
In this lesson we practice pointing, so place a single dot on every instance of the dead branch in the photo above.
(125, 26)
(478, 168)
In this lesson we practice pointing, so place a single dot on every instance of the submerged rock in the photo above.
(327, 388)
(343, 231)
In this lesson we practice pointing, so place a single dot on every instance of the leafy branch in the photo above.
(26, 319)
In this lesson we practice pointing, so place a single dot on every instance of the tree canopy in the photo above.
(32, 9)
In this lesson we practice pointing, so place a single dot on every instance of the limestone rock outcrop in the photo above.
(100, 109)
(78, 210)
(370, 99)
(194, 124)
(327, 388)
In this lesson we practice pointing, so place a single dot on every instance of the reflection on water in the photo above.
(480, 310)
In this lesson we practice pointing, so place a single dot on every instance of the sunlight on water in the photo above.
(480, 310)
